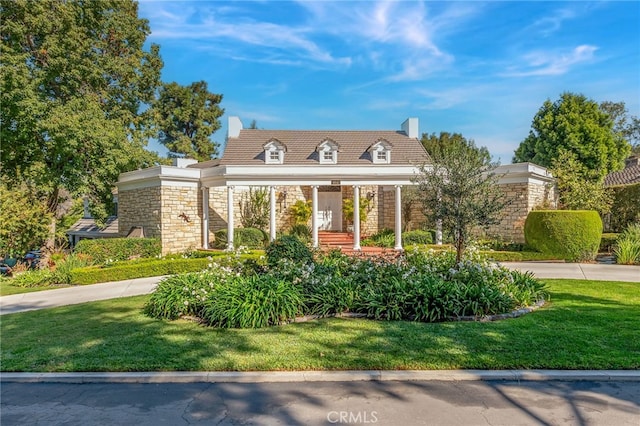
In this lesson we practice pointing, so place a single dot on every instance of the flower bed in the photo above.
(425, 287)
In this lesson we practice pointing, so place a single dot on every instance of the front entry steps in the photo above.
(343, 241)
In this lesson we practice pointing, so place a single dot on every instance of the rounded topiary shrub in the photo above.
(288, 247)
(573, 235)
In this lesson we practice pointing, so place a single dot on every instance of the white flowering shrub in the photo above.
(186, 294)
(418, 286)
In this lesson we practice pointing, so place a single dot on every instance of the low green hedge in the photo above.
(517, 256)
(147, 268)
(573, 235)
(417, 237)
(113, 249)
(251, 238)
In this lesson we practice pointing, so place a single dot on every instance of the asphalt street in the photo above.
(324, 403)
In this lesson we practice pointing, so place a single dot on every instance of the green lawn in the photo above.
(587, 325)
(7, 289)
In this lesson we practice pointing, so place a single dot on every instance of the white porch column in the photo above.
(205, 218)
(356, 217)
(230, 217)
(272, 213)
(398, 230)
(314, 215)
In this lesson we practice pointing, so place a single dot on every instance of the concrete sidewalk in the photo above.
(580, 271)
(74, 295)
(112, 290)
(322, 376)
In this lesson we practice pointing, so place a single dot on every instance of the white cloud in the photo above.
(552, 23)
(248, 38)
(398, 40)
(540, 63)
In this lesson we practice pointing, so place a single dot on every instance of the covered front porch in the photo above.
(324, 187)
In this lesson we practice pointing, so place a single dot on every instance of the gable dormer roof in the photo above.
(328, 142)
(381, 142)
(248, 148)
(274, 143)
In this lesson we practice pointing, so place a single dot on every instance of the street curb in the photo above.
(323, 376)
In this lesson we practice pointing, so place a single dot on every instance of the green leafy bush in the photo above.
(300, 212)
(61, 274)
(417, 237)
(154, 268)
(573, 235)
(302, 231)
(627, 248)
(113, 249)
(384, 238)
(251, 238)
(253, 302)
(625, 209)
(186, 294)
(288, 247)
(419, 287)
(25, 220)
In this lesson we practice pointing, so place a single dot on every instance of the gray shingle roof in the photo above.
(625, 176)
(247, 149)
(88, 226)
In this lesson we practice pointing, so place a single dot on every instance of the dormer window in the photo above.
(382, 156)
(328, 151)
(274, 152)
(381, 152)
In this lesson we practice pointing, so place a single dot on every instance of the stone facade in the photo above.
(140, 207)
(167, 203)
(370, 224)
(181, 219)
(171, 213)
(174, 213)
(523, 198)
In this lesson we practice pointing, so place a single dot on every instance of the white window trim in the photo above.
(272, 147)
(381, 147)
(324, 158)
(274, 150)
(328, 147)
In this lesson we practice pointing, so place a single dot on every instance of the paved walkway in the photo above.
(81, 294)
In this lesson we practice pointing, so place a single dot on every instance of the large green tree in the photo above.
(578, 187)
(459, 188)
(186, 117)
(579, 126)
(625, 124)
(75, 76)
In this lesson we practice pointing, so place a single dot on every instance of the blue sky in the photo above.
(482, 69)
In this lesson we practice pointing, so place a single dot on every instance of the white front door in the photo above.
(329, 211)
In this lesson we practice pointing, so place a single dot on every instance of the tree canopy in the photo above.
(459, 188)
(579, 126)
(578, 187)
(186, 117)
(623, 123)
(74, 77)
